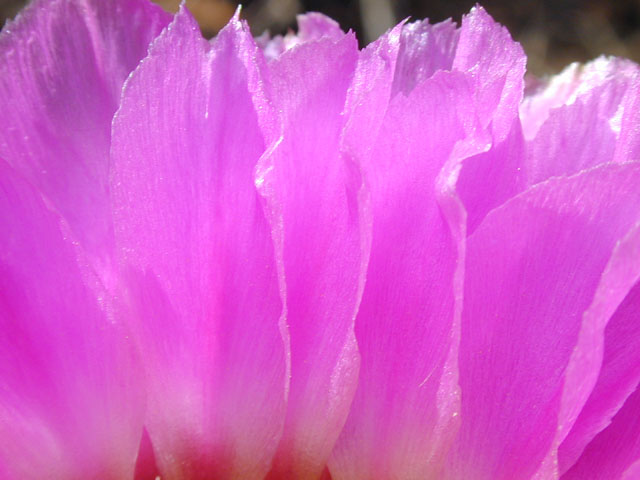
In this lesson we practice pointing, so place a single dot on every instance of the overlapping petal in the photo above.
(582, 129)
(288, 258)
(615, 452)
(404, 326)
(487, 53)
(533, 268)
(496, 63)
(614, 76)
(71, 403)
(619, 372)
(309, 184)
(62, 66)
(200, 271)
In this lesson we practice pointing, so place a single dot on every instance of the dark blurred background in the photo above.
(553, 32)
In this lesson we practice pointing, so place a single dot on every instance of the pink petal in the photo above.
(533, 268)
(63, 63)
(582, 130)
(314, 192)
(489, 179)
(312, 26)
(619, 374)
(424, 49)
(615, 452)
(402, 420)
(71, 406)
(497, 64)
(198, 256)
(487, 53)
(368, 96)
(619, 276)
(633, 472)
(628, 146)
(612, 75)
(575, 137)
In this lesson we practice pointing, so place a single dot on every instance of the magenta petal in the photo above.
(71, 406)
(533, 268)
(633, 472)
(583, 128)
(615, 452)
(575, 137)
(487, 54)
(311, 27)
(198, 256)
(314, 26)
(612, 76)
(619, 374)
(367, 101)
(424, 49)
(619, 276)
(628, 146)
(497, 64)
(311, 188)
(489, 179)
(403, 418)
(63, 64)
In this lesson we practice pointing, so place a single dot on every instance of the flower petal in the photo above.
(312, 26)
(71, 406)
(613, 76)
(628, 146)
(487, 53)
(424, 49)
(618, 278)
(369, 95)
(312, 189)
(619, 375)
(615, 452)
(198, 255)
(575, 137)
(497, 64)
(633, 472)
(401, 422)
(489, 179)
(583, 131)
(532, 270)
(63, 63)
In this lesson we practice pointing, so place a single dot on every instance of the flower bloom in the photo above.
(288, 258)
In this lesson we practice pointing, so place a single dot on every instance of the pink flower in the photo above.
(294, 259)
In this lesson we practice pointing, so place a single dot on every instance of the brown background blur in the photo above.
(553, 33)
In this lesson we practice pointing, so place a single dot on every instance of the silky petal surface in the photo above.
(311, 26)
(533, 267)
(614, 453)
(633, 472)
(308, 182)
(584, 131)
(200, 270)
(618, 278)
(71, 406)
(486, 51)
(424, 49)
(62, 66)
(574, 137)
(613, 75)
(492, 177)
(400, 423)
(368, 98)
(619, 375)
(628, 146)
